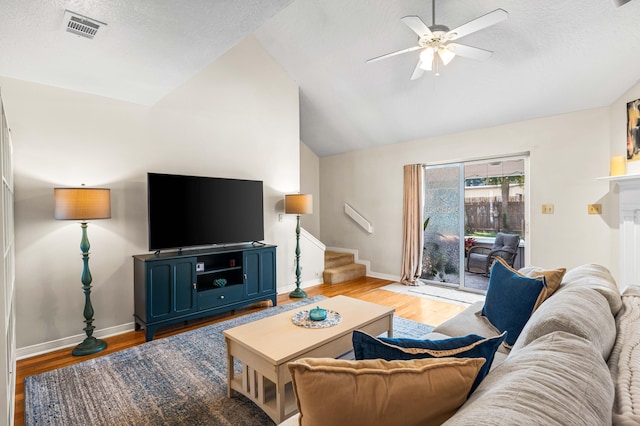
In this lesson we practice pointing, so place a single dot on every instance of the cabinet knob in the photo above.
(194, 286)
(222, 297)
(245, 276)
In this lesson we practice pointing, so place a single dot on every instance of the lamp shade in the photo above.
(82, 203)
(298, 204)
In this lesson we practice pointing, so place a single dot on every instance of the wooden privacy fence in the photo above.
(486, 215)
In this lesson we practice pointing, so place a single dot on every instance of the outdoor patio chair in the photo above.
(480, 259)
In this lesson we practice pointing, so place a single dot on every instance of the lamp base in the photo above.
(298, 293)
(91, 345)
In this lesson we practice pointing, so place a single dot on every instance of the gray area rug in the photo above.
(178, 380)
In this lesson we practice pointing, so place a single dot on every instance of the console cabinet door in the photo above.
(259, 272)
(171, 292)
(268, 275)
(251, 264)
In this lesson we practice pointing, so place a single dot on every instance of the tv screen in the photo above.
(189, 211)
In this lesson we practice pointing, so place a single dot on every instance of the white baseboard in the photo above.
(291, 287)
(67, 342)
(71, 341)
(384, 276)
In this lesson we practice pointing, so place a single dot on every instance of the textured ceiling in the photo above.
(147, 48)
(550, 57)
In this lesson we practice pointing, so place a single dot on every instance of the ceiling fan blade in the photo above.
(417, 25)
(417, 72)
(478, 24)
(388, 55)
(469, 51)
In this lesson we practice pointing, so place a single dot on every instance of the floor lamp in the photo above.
(298, 204)
(84, 204)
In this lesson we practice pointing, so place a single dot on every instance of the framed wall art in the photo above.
(633, 130)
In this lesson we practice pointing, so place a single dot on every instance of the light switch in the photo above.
(594, 208)
(547, 209)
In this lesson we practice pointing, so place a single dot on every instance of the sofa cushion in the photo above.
(582, 312)
(559, 379)
(598, 278)
(466, 322)
(332, 392)
(510, 300)
(366, 346)
(553, 279)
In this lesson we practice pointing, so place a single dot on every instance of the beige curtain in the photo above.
(412, 232)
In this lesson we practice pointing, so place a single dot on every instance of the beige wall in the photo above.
(567, 153)
(225, 121)
(310, 184)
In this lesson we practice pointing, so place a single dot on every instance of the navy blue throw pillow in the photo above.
(366, 346)
(510, 299)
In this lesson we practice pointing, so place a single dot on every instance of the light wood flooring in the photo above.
(411, 307)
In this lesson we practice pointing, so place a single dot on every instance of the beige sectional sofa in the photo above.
(573, 363)
(557, 372)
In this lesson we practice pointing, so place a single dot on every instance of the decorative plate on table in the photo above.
(302, 319)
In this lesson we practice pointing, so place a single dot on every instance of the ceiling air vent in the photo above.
(84, 26)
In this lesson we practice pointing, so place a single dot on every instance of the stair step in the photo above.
(344, 273)
(334, 259)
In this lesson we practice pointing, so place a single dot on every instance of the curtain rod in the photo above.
(470, 160)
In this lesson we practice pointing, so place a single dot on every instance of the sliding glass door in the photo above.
(442, 224)
(466, 205)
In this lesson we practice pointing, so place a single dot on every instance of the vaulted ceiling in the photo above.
(550, 57)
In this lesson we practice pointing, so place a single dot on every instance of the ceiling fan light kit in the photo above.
(435, 41)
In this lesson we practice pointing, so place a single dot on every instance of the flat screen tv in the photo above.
(191, 211)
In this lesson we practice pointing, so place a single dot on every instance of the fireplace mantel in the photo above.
(624, 181)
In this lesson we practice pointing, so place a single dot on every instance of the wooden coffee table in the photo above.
(264, 348)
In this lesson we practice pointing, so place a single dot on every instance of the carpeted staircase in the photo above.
(339, 267)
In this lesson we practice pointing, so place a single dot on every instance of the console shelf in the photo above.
(215, 271)
(168, 288)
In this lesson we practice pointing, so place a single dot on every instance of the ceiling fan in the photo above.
(435, 41)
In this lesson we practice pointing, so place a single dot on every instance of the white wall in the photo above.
(567, 153)
(233, 119)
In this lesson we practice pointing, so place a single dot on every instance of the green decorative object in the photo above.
(84, 204)
(318, 314)
(219, 282)
(298, 204)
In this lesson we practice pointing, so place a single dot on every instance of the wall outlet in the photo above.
(594, 208)
(547, 209)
